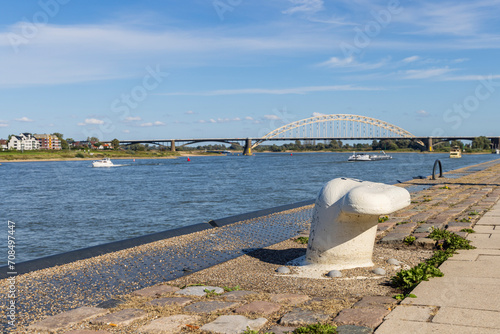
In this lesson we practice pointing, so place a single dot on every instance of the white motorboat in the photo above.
(455, 152)
(369, 157)
(106, 162)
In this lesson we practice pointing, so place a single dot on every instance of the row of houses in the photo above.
(27, 141)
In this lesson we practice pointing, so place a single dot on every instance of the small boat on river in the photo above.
(369, 157)
(106, 162)
(455, 152)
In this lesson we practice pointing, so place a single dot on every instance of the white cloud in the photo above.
(411, 59)
(272, 117)
(146, 124)
(189, 112)
(132, 118)
(126, 131)
(351, 63)
(422, 113)
(158, 123)
(426, 73)
(91, 121)
(304, 6)
(24, 119)
(212, 120)
(248, 118)
(316, 114)
(3, 125)
(283, 91)
(472, 77)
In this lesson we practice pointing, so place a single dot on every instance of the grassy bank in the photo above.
(67, 155)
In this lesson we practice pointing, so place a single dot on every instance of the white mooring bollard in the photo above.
(344, 222)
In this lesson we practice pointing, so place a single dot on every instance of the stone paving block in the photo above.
(351, 329)
(86, 331)
(110, 303)
(281, 329)
(489, 220)
(461, 292)
(169, 325)
(460, 225)
(238, 294)
(482, 241)
(289, 298)
(299, 317)
(156, 290)
(421, 235)
(425, 243)
(487, 229)
(210, 306)
(259, 307)
(367, 316)
(370, 301)
(473, 254)
(411, 327)
(68, 318)
(198, 290)
(408, 227)
(121, 318)
(412, 313)
(393, 238)
(423, 216)
(486, 267)
(467, 317)
(423, 228)
(168, 301)
(233, 324)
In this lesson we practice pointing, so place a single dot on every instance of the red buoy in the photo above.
(189, 159)
(291, 153)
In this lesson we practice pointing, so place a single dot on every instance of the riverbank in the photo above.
(98, 156)
(118, 278)
(64, 156)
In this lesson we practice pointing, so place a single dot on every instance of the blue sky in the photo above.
(238, 68)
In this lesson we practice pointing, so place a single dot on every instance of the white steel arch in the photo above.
(341, 126)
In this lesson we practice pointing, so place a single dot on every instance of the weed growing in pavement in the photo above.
(383, 219)
(445, 187)
(463, 220)
(210, 293)
(401, 296)
(235, 288)
(427, 199)
(401, 223)
(409, 240)
(408, 279)
(467, 230)
(302, 240)
(251, 331)
(316, 329)
(448, 242)
(473, 213)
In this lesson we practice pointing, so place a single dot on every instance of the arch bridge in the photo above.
(323, 127)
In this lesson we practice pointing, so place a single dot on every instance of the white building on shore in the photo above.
(25, 141)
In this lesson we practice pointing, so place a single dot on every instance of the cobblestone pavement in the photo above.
(82, 297)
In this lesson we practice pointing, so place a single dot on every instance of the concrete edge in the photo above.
(85, 253)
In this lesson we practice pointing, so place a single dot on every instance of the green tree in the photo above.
(116, 143)
(481, 143)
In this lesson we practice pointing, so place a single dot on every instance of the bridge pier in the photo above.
(172, 145)
(428, 144)
(495, 143)
(248, 147)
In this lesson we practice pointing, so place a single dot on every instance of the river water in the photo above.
(67, 205)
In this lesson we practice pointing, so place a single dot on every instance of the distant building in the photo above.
(3, 144)
(48, 142)
(25, 141)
